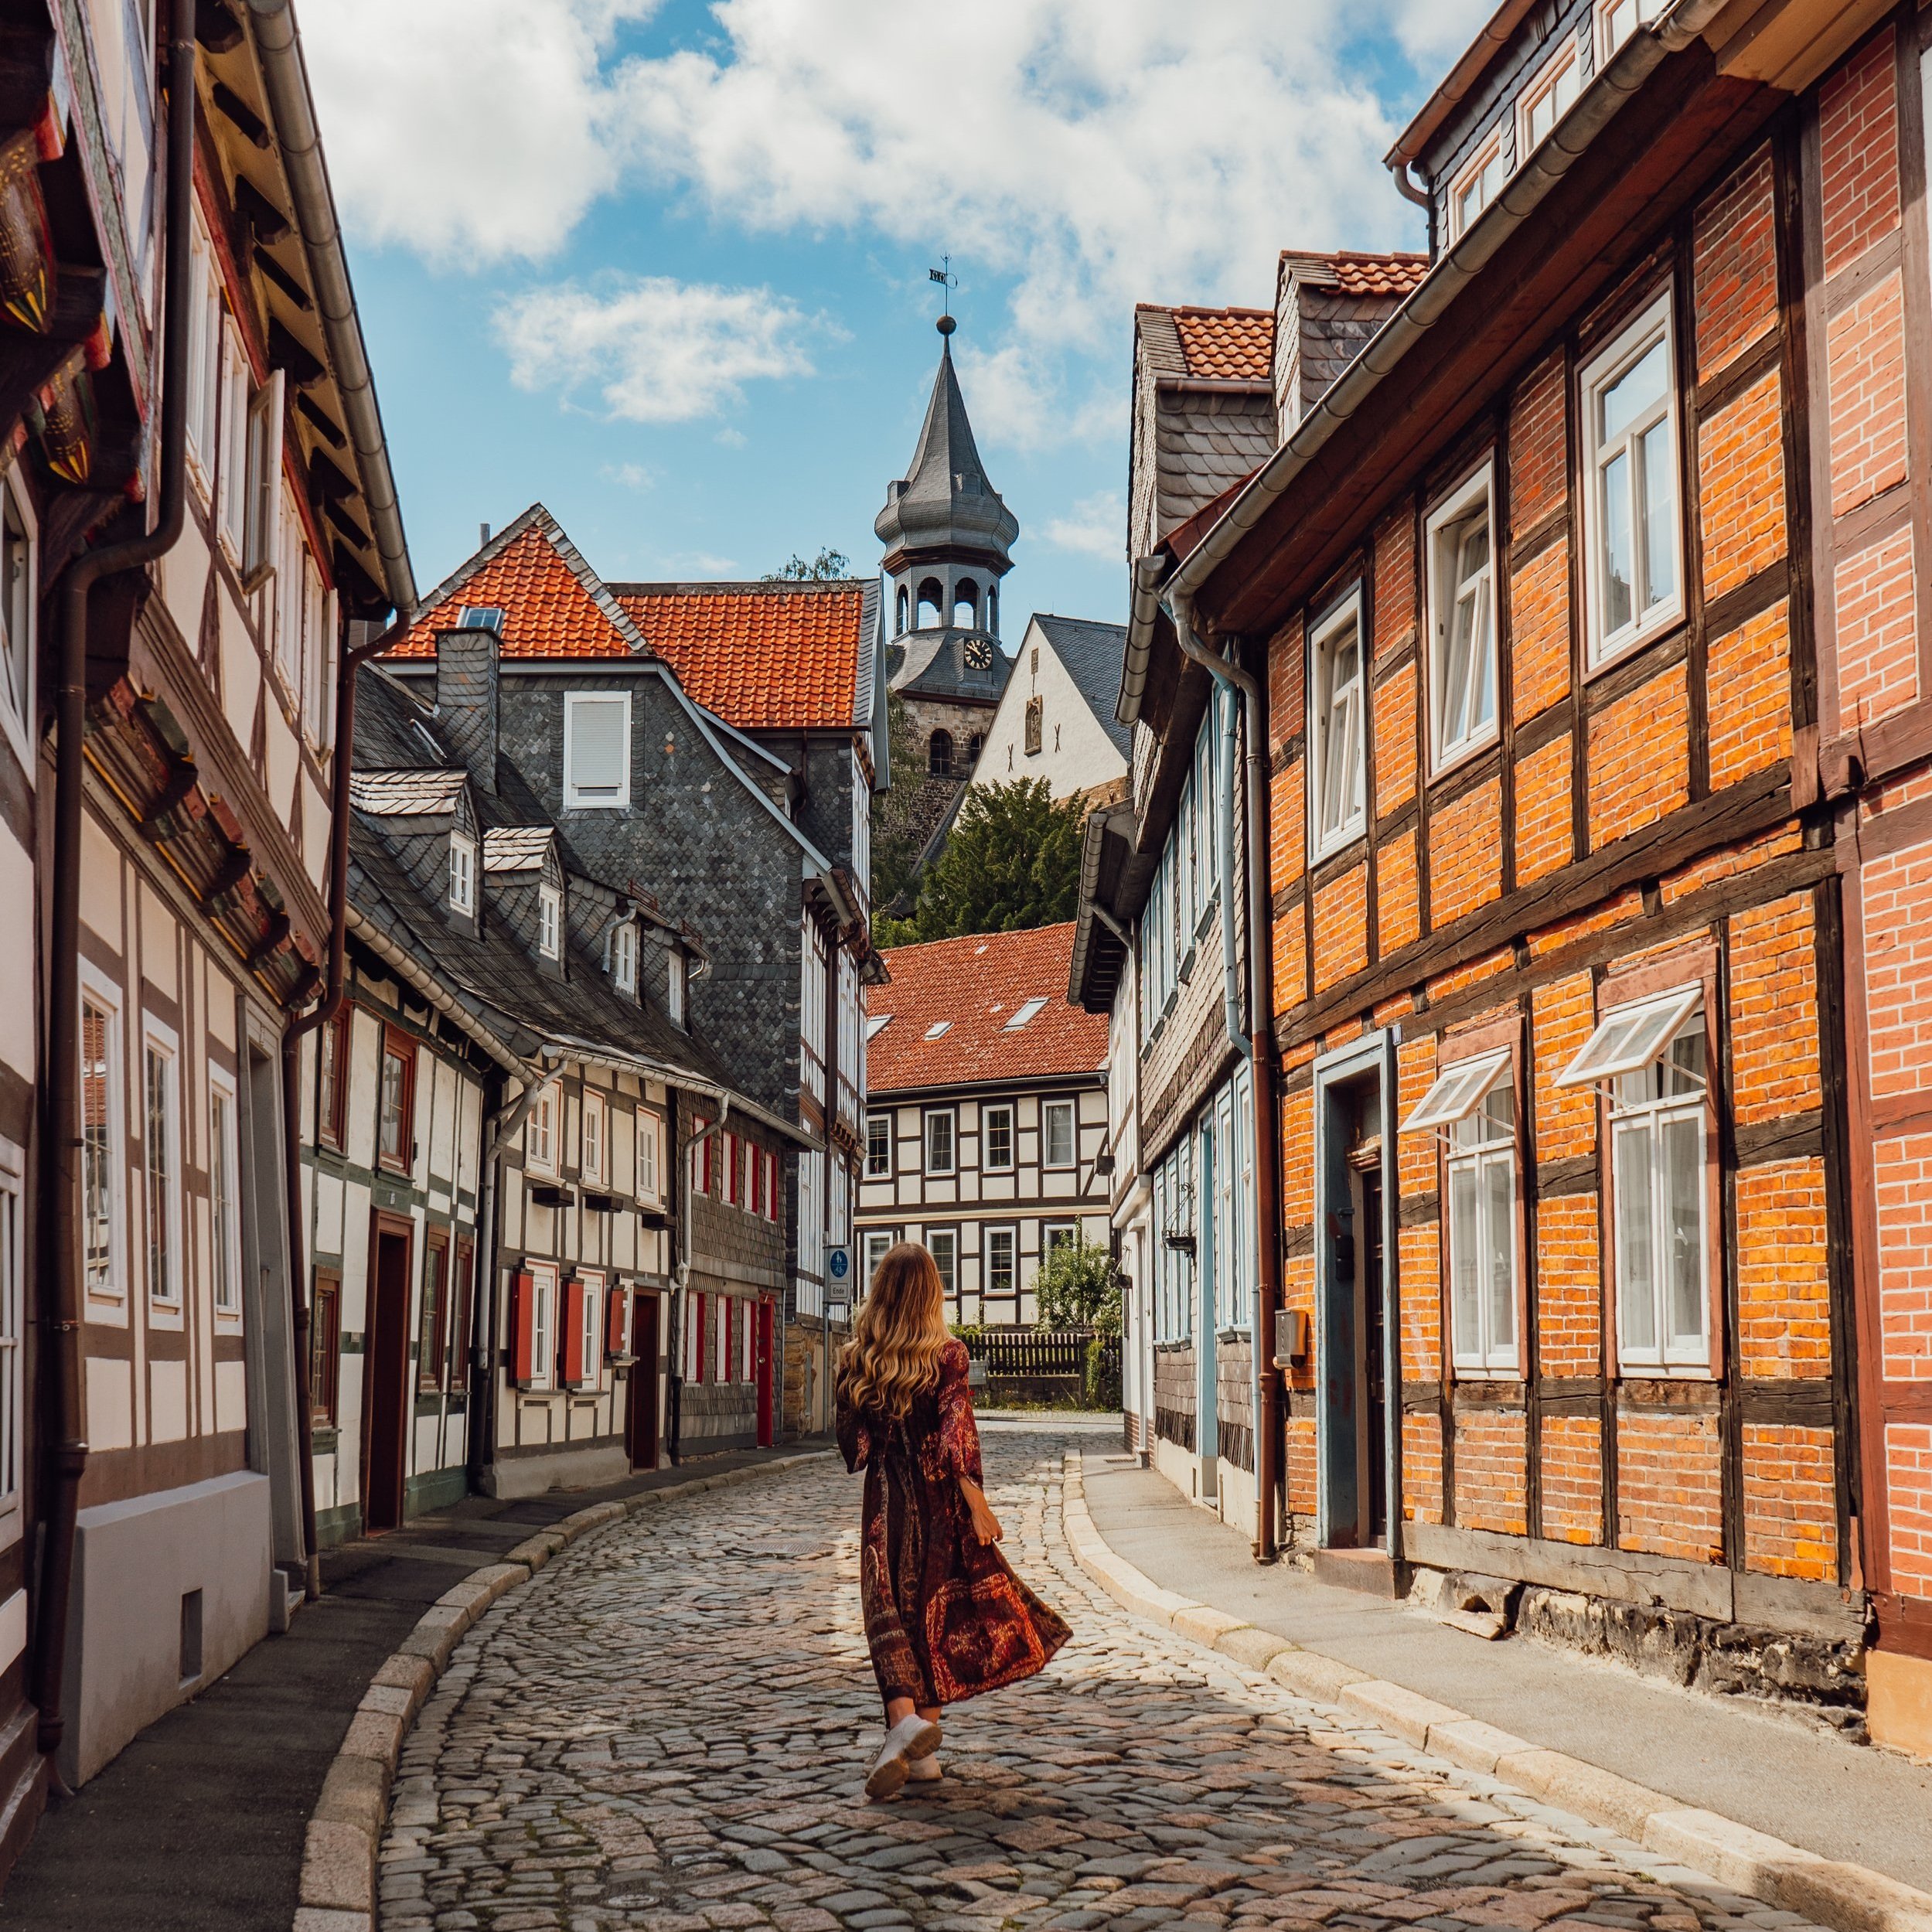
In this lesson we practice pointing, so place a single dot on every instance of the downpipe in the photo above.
(62, 1259)
(674, 1443)
(506, 1121)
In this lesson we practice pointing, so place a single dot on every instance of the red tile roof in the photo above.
(548, 610)
(762, 656)
(976, 985)
(1226, 345)
(1354, 273)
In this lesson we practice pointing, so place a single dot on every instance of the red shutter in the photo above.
(615, 1316)
(523, 1329)
(696, 1304)
(574, 1369)
(772, 1187)
(731, 1167)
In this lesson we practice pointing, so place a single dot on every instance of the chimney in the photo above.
(467, 687)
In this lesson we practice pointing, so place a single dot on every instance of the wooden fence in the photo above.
(1043, 1364)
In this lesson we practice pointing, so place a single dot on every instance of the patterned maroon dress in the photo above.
(945, 1617)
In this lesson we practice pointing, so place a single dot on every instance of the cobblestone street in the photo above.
(667, 1728)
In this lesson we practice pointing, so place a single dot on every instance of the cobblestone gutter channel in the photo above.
(667, 1730)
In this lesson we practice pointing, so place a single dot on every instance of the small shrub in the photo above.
(1077, 1287)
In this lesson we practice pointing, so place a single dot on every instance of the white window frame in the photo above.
(462, 874)
(160, 1040)
(13, 1214)
(1069, 1112)
(1489, 154)
(987, 1164)
(1444, 596)
(550, 922)
(943, 1245)
(262, 489)
(1011, 1234)
(596, 1285)
(204, 369)
(603, 798)
(676, 986)
(1345, 619)
(878, 1241)
(1658, 322)
(1053, 1233)
(232, 482)
(542, 1324)
(99, 991)
(1565, 61)
(650, 1155)
(1608, 41)
(950, 1116)
(1485, 1354)
(224, 1146)
(539, 1130)
(624, 950)
(873, 1122)
(18, 711)
(594, 1144)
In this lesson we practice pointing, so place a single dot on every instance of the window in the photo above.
(1547, 98)
(1616, 20)
(1632, 542)
(938, 1029)
(324, 1348)
(430, 1329)
(161, 1165)
(727, 1166)
(996, 1151)
(17, 596)
(542, 1360)
(594, 1137)
(262, 499)
(1036, 710)
(395, 1138)
(676, 970)
(900, 611)
(1207, 858)
(204, 348)
(650, 1154)
(550, 922)
(1462, 596)
(596, 750)
(938, 1141)
(224, 1199)
(101, 1142)
(1482, 1229)
(1337, 782)
(232, 481)
(624, 957)
(939, 755)
(539, 1131)
(12, 1264)
(1002, 1274)
(1028, 1009)
(700, 1156)
(878, 1243)
(943, 1244)
(331, 1076)
(1057, 1233)
(587, 1331)
(462, 875)
(1475, 188)
(773, 1206)
(878, 1146)
(462, 1316)
(1056, 1133)
(480, 617)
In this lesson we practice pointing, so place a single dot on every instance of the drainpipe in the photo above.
(503, 1123)
(683, 1273)
(1259, 1048)
(60, 1283)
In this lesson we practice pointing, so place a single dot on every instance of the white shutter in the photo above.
(597, 748)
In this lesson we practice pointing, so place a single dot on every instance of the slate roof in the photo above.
(946, 499)
(1093, 653)
(763, 656)
(405, 794)
(517, 848)
(932, 664)
(1329, 307)
(974, 986)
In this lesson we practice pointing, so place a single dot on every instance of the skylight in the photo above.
(1023, 1014)
(876, 1023)
(938, 1027)
(481, 617)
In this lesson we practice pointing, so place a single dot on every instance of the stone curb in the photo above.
(1847, 1898)
(338, 1887)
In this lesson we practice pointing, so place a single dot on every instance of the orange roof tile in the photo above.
(1226, 344)
(1379, 275)
(762, 656)
(973, 987)
(548, 610)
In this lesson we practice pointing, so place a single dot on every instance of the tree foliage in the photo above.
(896, 841)
(1011, 863)
(1077, 1286)
(827, 568)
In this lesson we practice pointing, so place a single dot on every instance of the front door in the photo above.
(386, 1377)
(643, 1403)
(766, 1326)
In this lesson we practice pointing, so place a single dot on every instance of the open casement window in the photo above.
(617, 1327)
(232, 483)
(261, 490)
(597, 749)
(1462, 597)
(1633, 542)
(204, 353)
(1337, 787)
(102, 1155)
(1649, 1060)
(1547, 98)
(1476, 186)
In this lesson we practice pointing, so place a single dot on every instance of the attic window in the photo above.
(550, 922)
(938, 1027)
(675, 971)
(597, 749)
(462, 874)
(481, 617)
(1023, 1014)
(624, 957)
(876, 1024)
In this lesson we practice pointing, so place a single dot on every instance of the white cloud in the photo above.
(629, 476)
(1018, 398)
(1096, 527)
(656, 350)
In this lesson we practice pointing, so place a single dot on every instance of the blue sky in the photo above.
(663, 264)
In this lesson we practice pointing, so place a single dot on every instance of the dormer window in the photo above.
(674, 987)
(550, 922)
(624, 957)
(1548, 97)
(596, 750)
(1475, 188)
(462, 875)
(1616, 20)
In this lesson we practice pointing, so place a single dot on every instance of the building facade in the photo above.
(986, 1117)
(1056, 722)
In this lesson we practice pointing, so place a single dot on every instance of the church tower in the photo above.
(948, 538)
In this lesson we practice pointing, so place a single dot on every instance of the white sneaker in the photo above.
(908, 1740)
(924, 1770)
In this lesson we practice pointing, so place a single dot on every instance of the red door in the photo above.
(765, 1311)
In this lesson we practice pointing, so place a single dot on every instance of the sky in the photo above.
(663, 265)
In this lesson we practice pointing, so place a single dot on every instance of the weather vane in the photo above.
(948, 282)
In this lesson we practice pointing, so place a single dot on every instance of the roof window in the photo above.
(938, 1027)
(1023, 1014)
(876, 1024)
(481, 617)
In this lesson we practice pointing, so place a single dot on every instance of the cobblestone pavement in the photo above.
(668, 1727)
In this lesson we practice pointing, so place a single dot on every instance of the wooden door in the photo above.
(386, 1405)
(642, 1412)
(766, 1379)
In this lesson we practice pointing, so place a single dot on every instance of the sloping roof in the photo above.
(933, 664)
(765, 656)
(405, 794)
(553, 604)
(946, 498)
(973, 987)
(1225, 345)
(1092, 653)
(517, 848)
(1354, 273)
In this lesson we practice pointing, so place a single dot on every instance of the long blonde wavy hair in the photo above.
(898, 1335)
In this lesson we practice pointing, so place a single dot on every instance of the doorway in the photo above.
(766, 1313)
(385, 1404)
(640, 1415)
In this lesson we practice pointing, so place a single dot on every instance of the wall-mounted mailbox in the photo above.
(1291, 1337)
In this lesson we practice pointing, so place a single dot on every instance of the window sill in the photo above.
(1464, 754)
(1657, 630)
(1341, 845)
(1186, 971)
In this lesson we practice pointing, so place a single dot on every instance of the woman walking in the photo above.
(946, 1618)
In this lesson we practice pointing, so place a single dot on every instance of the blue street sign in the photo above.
(838, 1263)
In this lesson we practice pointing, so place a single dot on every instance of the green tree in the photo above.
(1077, 1287)
(896, 841)
(1011, 863)
(825, 568)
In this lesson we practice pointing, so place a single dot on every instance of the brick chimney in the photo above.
(467, 701)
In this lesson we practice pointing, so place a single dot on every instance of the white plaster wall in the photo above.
(1075, 753)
